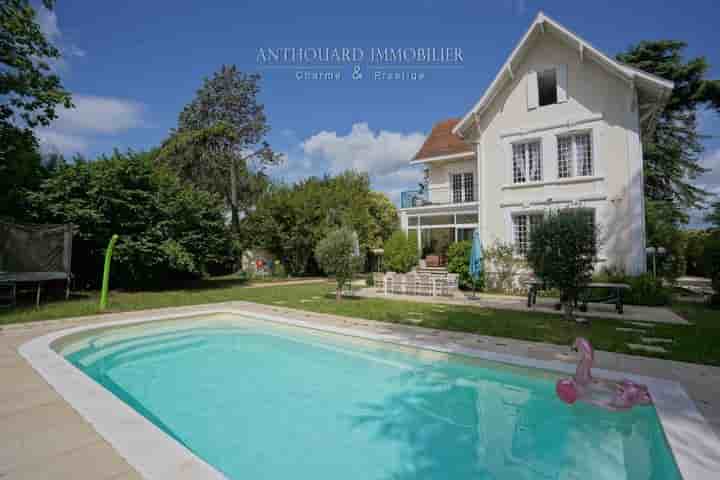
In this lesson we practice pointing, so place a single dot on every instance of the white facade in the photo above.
(580, 148)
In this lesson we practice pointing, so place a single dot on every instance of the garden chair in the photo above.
(424, 284)
(453, 280)
(379, 282)
(389, 282)
(399, 284)
(411, 284)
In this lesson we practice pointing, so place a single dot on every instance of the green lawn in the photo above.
(698, 343)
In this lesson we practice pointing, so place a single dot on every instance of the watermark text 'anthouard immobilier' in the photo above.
(385, 63)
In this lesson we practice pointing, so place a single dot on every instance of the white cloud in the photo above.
(76, 51)
(75, 128)
(378, 153)
(56, 142)
(100, 114)
(48, 22)
(384, 155)
(709, 181)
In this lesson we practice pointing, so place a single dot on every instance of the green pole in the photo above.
(106, 273)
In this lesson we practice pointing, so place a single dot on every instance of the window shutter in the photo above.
(561, 73)
(532, 90)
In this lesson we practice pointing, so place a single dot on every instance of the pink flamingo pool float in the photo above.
(581, 387)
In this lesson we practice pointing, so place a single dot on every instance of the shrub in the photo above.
(168, 231)
(562, 253)
(694, 249)
(459, 262)
(644, 289)
(279, 269)
(401, 253)
(336, 256)
(711, 264)
(663, 229)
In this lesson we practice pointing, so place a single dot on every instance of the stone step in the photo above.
(646, 348)
(652, 340)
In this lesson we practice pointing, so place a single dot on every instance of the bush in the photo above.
(278, 270)
(459, 262)
(694, 249)
(336, 256)
(711, 256)
(711, 264)
(644, 289)
(663, 229)
(168, 232)
(562, 253)
(401, 253)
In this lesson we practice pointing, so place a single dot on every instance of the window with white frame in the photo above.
(463, 187)
(523, 225)
(575, 155)
(456, 185)
(469, 186)
(527, 162)
(547, 87)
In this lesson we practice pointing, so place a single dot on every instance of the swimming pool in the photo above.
(262, 400)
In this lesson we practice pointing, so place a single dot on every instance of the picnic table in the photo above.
(615, 297)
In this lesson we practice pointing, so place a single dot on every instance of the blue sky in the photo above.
(132, 65)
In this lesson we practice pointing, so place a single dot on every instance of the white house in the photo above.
(559, 126)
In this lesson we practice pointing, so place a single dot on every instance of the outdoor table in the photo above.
(615, 297)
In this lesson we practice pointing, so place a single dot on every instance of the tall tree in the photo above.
(29, 91)
(714, 216)
(225, 126)
(673, 148)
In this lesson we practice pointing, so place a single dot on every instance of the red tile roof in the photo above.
(441, 141)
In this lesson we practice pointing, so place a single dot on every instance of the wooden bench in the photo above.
(615, 297)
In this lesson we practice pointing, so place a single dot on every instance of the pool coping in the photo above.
(154, 454)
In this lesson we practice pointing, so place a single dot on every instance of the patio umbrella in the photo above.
(476, 260)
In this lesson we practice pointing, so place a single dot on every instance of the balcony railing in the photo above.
(431, 196)
(413, 198)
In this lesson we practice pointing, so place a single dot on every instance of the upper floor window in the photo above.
(463, 187)
(527, 162)
(547, 87)
(575, 155)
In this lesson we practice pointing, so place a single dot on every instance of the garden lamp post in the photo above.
(654, 252)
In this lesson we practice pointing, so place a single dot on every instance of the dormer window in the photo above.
(547, 87)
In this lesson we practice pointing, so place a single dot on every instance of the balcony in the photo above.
(413, 198)
(435, 196)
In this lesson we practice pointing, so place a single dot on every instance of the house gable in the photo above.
(652, 91)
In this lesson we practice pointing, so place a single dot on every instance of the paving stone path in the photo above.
(647, 348)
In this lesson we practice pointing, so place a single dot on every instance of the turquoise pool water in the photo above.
(259, 400)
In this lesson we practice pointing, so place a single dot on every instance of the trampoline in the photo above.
(32, 256)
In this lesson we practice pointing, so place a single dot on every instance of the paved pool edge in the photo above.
(154, 454)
